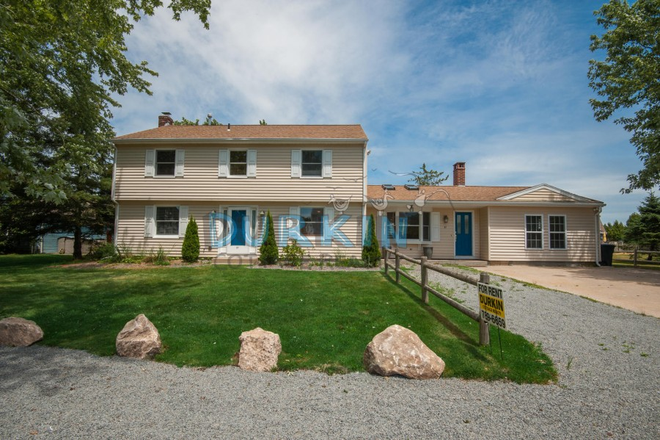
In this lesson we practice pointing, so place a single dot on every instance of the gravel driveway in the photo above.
(609, 387)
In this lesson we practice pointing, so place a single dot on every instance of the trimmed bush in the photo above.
(371, 249)
(293, 254)
(190, 248)
(268, 252)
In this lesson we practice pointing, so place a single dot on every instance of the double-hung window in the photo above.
(409, 225)
(557, 224)
(238, 163)
(312, 163)
(533, 232)
(165, 162)
(167, 220)
(313, 218)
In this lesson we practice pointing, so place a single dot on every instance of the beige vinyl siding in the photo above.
(273, 181)
(543, 195)
(131, 224)
(130, 232)
(507, 235)
(484, 225)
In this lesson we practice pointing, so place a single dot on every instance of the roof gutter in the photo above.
(119, 141)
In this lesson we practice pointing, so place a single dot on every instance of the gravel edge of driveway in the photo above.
(607, 359)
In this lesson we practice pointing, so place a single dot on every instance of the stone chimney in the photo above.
(165, 119)
(459, 174)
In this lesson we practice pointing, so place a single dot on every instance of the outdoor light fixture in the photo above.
(262, 213)
(410, 207)
(445, 218)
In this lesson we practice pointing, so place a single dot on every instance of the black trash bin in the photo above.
(606, 254)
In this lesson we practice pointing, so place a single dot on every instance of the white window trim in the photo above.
(565, 233)
(421, 227)
(151, 163)
(151, 226)
(542, 232)
(297, 164)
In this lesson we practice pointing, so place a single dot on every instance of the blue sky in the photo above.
(500, 85)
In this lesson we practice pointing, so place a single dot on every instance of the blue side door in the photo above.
(238, 219)
(463, 222)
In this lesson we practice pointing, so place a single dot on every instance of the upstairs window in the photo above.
(165, 162)
(312, 163)
(557, 231)
(238, 163)
(533, 232)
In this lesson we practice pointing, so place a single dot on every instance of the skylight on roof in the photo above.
(388, 187)
(411, 186)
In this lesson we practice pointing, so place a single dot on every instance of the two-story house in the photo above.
(312, 179)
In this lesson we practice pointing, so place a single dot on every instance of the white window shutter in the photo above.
(329, 211)
(223, 163)
(435, 226)
(180, 160)
(183, 220)
(150, 163)
(295, 212)
(327, 163)
(252, 163)
(149, 223)
(296, 163)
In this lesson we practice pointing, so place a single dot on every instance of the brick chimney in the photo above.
(165, 119)
(459, 174)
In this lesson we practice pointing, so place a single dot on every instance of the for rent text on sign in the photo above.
(491, 305)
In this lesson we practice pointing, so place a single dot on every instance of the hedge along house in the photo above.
(312, 178)
(538, 224)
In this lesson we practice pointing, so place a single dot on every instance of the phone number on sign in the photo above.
(492, 319)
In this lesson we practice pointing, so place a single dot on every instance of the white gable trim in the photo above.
(549, 188)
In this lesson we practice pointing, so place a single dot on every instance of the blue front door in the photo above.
(238, 219)
(463, 234)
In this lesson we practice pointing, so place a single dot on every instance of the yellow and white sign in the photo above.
(491, 305)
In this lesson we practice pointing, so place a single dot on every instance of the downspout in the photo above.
(597, 212)
(112, 197)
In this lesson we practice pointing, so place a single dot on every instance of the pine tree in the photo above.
(371, 249)
(190, 248)
(268, 252)
(643, 228)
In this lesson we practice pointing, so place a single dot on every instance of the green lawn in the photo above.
(324, 319)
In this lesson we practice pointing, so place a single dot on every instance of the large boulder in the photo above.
(399, 351)
(260, 350)
(19, 332)
(139, 339)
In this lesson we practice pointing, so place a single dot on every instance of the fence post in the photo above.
(385, 256)
(635, 257)
(484, 329)
(425, 279)
(397, 263)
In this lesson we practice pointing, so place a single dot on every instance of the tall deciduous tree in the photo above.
(628, 79)
(427, 177)
(61, 63)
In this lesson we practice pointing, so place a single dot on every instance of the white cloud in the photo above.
(497, 84)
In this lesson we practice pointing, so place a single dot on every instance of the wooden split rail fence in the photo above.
(484, 333)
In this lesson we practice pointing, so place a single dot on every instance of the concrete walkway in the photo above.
(630, 288)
